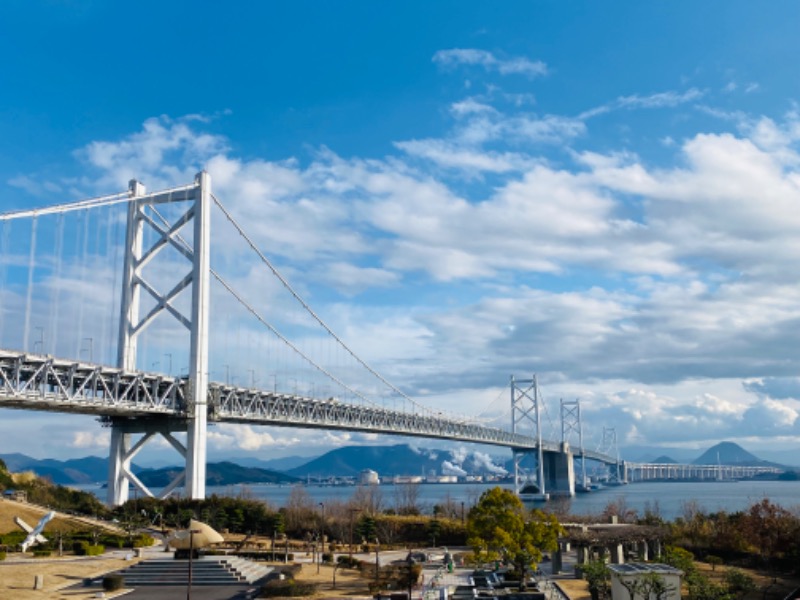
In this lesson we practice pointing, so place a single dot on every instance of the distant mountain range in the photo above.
(221, 473)
(89, 469)
(93, 469)
(349, 461)
(401, 459)
(726, 453)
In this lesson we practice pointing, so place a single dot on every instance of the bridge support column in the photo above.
(118, 464)
(120, 476)
(198, 356)
(559, 472)
(623, 472)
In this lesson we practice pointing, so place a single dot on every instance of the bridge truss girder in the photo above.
(36, 382)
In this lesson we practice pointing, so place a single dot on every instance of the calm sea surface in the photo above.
(668, 499)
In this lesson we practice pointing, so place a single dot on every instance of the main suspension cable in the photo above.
(310, 311)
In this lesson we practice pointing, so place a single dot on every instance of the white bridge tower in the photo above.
(197, 199)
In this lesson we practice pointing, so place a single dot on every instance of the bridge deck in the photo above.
(46, 383)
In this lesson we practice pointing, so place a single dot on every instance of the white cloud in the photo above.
(90, 439)
(450, 155)
(351, 280)
(652, 289)
(471, 56)
(668, 99)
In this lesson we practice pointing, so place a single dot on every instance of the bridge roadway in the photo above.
(45, 383)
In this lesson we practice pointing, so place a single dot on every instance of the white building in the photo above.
(634, 581)
(368, 477)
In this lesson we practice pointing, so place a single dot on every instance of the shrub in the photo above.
(80, 547)
(291, 571)
(113, 541)
(680, 559)
(2, 555)
(739, 582)
(257, 555)
(348, 562)
(112, 583)
(288, 588)
(143, 541)
(598, 576)
(95, 550)
(13, 538)
(327, 557)
(41, 553)
(714, 561)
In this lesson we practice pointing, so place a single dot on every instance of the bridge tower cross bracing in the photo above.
(611, 448)
(571, 424)
(132, 325)
(525, 411)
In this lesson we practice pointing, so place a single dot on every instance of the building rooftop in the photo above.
(635, 567)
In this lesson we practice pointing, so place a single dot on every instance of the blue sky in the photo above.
(605, 194)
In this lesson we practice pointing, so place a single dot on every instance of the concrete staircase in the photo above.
(206, 570)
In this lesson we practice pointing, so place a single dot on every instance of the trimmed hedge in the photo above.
(267, 556)
(2, 555)
(112, 583)
(143, 541)
(41, 553)
(288, 588)
(84, 548)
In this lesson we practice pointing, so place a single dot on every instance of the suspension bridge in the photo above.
(92, 338)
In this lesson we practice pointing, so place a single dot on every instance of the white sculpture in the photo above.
(35, 534)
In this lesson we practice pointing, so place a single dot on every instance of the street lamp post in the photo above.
(377, 560)
(321, 535)
(191, 556)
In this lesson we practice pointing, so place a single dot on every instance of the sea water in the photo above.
(668, 499)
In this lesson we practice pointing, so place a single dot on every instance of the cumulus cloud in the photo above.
(777, 388)
(516, 243)
(90, 439)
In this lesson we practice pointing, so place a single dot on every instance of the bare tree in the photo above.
(368, 499)
(406, 498)
(299, 510)
(447, 507)
(337, 520)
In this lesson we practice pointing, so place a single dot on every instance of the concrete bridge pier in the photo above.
(559, 472)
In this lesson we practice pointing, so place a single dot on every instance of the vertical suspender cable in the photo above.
(110, 345)
(55, 291)
(83, 284)
(29, 298)
(3, 273)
